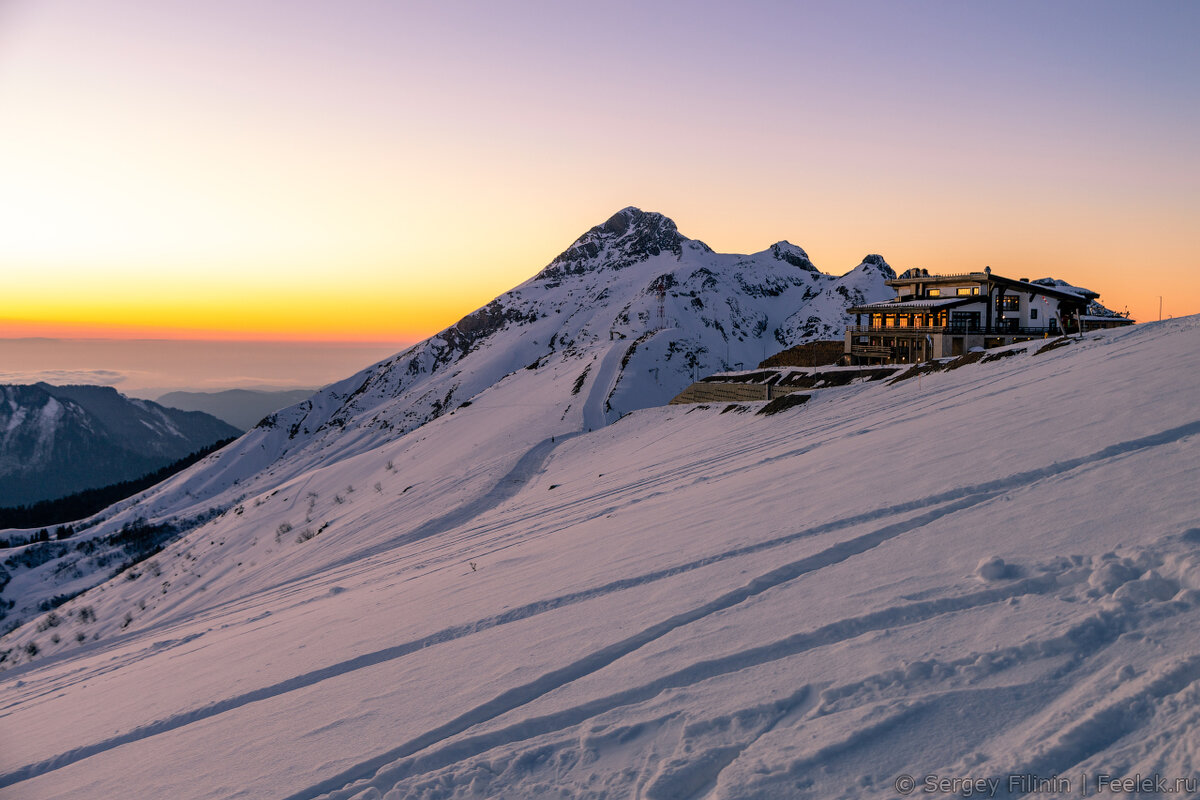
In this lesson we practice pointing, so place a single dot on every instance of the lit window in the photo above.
(934, 293)
(964, 290)
(1012, 302)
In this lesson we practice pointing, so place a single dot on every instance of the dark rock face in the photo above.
(790, 253)
(882, 266)
(462, 336)
(58, 440)
(627, 237)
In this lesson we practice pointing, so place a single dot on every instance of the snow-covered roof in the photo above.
(1106, 318)
(1063, 286)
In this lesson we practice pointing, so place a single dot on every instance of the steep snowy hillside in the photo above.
(57, 440)
(591, 318)
(978, 572)
(655, 308)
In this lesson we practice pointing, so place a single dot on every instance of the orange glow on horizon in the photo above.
(387, 314)
(43, 329)
(206, 174)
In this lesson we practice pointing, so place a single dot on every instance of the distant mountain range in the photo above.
(242, 408)
(58, 440)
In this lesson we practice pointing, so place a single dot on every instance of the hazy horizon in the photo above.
(149, 368)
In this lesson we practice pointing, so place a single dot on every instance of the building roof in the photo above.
(923, 276)
(1060, 291)
(1051, 283)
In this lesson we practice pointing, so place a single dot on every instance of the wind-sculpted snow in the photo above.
(976, 573)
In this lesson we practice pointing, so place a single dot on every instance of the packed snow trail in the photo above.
(595, 416)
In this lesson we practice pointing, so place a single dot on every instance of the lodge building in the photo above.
(936, 316)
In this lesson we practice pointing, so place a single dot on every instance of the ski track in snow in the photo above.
(603, 384)
(942, 504)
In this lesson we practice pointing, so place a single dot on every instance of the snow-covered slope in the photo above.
(977, 572)
(590, 319)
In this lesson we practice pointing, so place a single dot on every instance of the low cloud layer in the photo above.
(150, 368)
(66, 377)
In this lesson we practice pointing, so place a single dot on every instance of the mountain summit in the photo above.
(626, 238)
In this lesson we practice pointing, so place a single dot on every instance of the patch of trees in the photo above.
(88, 502)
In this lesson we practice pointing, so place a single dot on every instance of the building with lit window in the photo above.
(935, 316)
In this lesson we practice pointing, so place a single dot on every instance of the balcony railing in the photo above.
(953, 330)
(870, 350)
(979, 276)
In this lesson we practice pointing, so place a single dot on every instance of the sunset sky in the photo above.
(370, 171)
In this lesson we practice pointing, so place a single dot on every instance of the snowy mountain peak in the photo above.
(632, 216)
(876, 262)
(784, 250)
(627, 237)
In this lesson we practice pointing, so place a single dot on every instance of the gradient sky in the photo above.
(371, 170)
